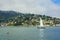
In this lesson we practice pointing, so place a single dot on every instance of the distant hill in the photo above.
(8, 14)
(18, 18)
(5, 15)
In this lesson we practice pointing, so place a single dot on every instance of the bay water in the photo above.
(29, 33)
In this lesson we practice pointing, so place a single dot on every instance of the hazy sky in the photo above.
(47, 7)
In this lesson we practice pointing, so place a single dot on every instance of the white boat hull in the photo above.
(41, 27)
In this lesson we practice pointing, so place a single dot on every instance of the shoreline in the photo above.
(31, 26)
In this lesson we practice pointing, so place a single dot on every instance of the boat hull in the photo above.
(41, 27)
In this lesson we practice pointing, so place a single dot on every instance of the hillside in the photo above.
(17, 18)
(5, 15)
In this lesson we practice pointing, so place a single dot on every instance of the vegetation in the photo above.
(12, 18)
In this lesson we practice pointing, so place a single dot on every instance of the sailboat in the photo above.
(41, 24)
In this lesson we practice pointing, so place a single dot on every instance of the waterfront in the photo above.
(29, 33)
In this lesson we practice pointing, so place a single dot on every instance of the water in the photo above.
(29, 33)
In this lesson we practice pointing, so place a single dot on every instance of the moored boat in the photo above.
(41, 26)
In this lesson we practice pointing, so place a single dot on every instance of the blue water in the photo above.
(29, 33)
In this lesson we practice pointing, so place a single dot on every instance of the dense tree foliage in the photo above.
(16, 18)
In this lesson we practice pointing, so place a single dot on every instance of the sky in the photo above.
(42, 7)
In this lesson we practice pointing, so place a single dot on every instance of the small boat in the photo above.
(41, 26)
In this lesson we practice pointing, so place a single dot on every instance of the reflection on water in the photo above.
(41, 34)
(29, 33)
